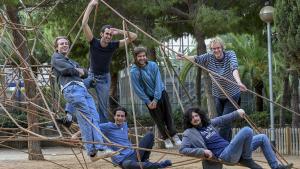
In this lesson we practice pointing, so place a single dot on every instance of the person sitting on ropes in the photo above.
(147, 84)
(224, 63)
(69, 77)
(127, 158)
(201, 139)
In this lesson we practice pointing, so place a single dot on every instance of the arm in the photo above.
(228, 118)
(186, 148)
(235, 72)
(86, 28)
(237, 78)
(158, 83)
(130, 36)
(63, 66)
(138, 88)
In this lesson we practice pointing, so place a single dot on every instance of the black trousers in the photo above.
(162, 116)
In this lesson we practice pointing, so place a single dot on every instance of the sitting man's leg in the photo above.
(146, 142)
(262, 141)
(241, 146)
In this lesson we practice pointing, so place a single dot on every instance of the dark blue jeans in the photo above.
(131, 162)
(224, 106)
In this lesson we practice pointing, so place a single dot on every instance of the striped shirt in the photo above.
(223, 67)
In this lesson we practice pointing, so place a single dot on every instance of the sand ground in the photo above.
(61, 157)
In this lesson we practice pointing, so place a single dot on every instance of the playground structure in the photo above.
(42, 100)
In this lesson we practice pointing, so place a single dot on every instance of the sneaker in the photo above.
(249, 163)
(168, 143)
(288, 166)
(103, 154)
(165, 164)
(64, 121)
(176, 140)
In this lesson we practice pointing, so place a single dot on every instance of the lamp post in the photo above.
(266, 15)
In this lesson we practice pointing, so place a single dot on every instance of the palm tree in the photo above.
(253, 62)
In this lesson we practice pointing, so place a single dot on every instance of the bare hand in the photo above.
(242, 87)
(179, 56)
(208, 154)
(241, 113)
(154, 104)
(114, 31)
(94, 2)
(81, 71)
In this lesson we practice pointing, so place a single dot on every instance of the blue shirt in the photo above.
(213, 141)
(118, 135)
(224, 67)
(146, 81)
(100, 57)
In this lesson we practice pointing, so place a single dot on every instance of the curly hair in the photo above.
(205, 121)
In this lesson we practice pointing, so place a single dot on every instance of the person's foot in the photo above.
(165, 164)
(64, 121)
(168, 143)
(288, 166)
(103, 154)
(176, 140)
(249, 163)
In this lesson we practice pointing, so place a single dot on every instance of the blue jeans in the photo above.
(101, 83)
(131, 162)
(224, 106)
(240, 146)
(79, 98)
(262, 141)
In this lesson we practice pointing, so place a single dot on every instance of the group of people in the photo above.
(200, 138)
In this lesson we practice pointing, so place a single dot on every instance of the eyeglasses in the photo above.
(217, 48)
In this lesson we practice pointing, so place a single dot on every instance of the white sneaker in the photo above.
(103, 154)
(176, 140)
(168, 143)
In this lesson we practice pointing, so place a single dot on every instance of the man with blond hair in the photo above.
(225, 64)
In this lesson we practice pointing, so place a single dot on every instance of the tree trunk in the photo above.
(259, 104)
(286, 97)
(34, 147)
(201, 48)
(295, 98)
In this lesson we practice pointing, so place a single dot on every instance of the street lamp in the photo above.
(266, 15)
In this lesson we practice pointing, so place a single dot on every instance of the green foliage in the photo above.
(212, 21)
(287, 19)
(6, 122)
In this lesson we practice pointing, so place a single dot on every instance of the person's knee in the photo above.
(247, 130)
(126, 164)
(150, 136)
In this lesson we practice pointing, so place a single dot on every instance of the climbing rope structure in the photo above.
(36, 96)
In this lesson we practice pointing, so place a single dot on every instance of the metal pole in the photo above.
(270, 84)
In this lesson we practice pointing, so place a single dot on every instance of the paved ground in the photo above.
(60, 157)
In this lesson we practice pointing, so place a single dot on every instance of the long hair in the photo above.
(188, 117)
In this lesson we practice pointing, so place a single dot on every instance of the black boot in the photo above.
(64, 121)
(249, 163)
(288, 166)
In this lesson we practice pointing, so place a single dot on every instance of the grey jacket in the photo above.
(194, 145)
(64, 69)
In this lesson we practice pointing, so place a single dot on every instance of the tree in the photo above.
(287, 19)
(12, 11)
